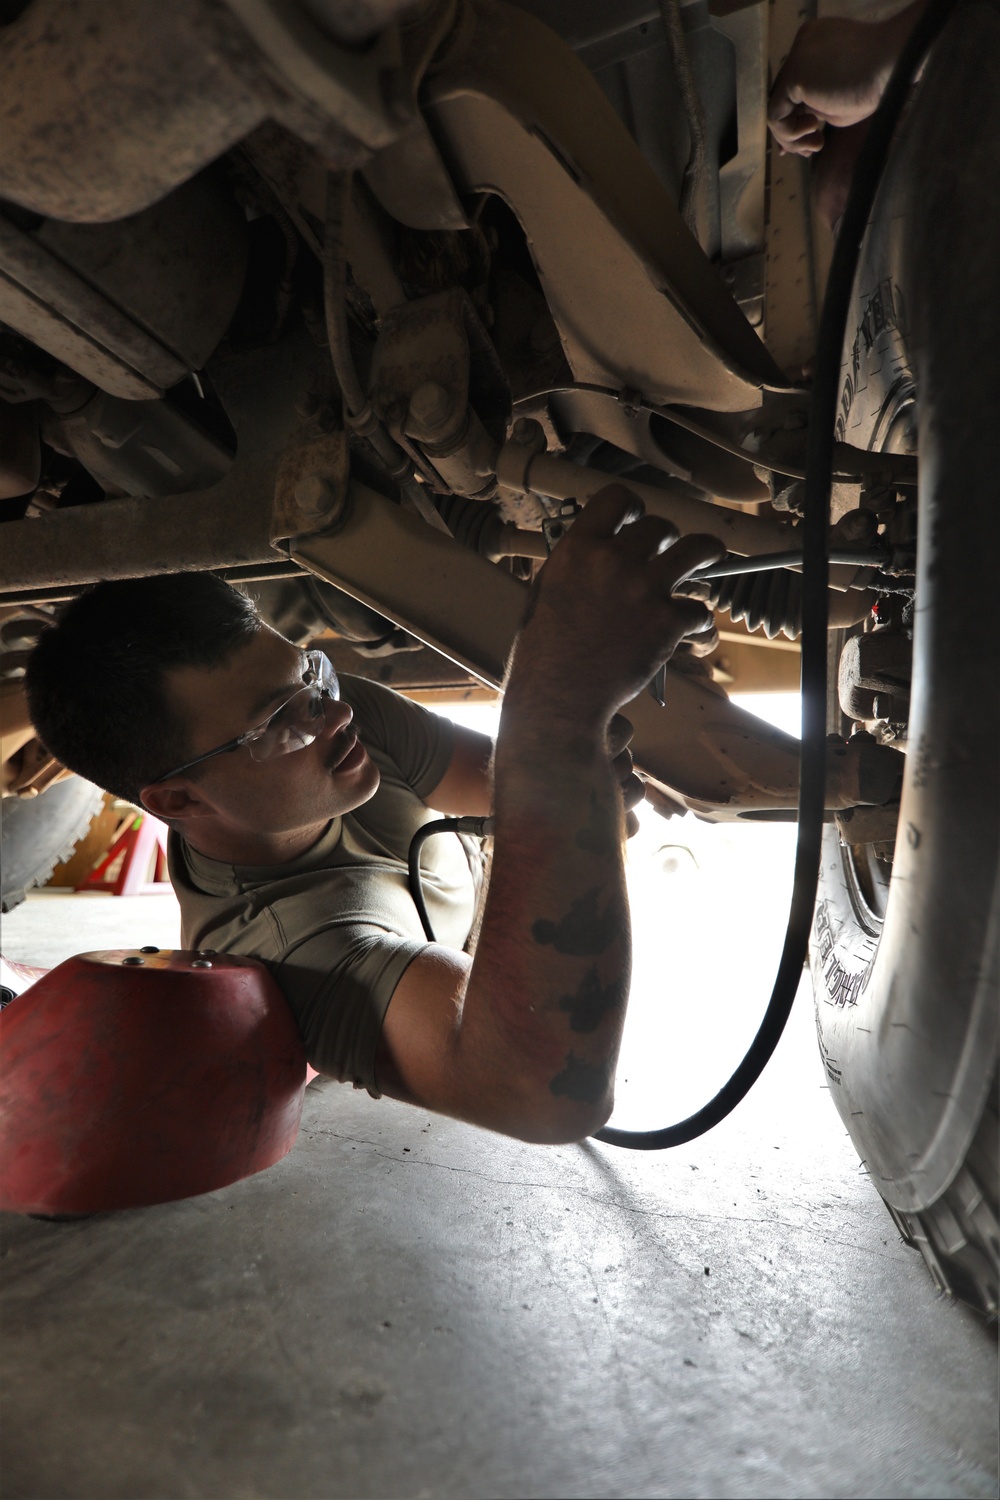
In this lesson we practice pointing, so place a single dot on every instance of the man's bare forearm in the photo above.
(524, 1038)
(545, 1001)
(541, 1021)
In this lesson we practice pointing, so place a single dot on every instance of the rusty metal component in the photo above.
(587, 200)
(311, 482)
(715, 756)
(745, 456)
(869, 825)
(439, 388)
(874, 676)
(876, 770)
(135, 305)
(423, 580)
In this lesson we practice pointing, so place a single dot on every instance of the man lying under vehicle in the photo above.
(291, 809)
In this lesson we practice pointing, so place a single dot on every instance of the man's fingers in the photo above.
(686, 556)
(697, 619)
(607, 511)
(801, 122)
(808, 145)
(780, 106)
(649, 536)
(702, 642)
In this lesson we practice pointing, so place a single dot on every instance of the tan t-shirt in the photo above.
(337, 927)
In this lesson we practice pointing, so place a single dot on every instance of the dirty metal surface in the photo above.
(614, 257)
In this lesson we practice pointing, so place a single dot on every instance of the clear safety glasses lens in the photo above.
(298, 722)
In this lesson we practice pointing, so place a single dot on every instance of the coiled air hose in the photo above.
(815, 580)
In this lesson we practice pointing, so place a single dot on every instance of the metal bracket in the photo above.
(310, 487)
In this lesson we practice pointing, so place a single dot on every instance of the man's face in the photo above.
(296, 792)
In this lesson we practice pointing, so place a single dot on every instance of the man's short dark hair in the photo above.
(95, 681)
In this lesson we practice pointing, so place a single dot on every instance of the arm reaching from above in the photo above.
(524, 1038)
(835, 75)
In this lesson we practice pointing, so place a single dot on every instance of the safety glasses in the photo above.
(292, 726)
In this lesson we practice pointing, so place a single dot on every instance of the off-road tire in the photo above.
(38, 833)
(906, 988)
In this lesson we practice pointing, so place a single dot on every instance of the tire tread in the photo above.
(959, 1235)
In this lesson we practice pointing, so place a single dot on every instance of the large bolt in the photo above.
(430, 405)
(528, 433)
(316, 496)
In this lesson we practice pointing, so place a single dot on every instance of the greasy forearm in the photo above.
(544, 1006)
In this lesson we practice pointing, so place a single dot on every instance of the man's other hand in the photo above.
(834, 75)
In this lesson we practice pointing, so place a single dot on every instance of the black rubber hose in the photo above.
(819, 467)
(479, 827)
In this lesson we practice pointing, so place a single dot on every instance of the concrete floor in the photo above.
(406, 1306)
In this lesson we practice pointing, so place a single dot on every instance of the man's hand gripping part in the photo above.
(826, 91)
(524, 1037)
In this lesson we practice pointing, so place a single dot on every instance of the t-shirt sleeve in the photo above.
(338, 983)
(418, 742)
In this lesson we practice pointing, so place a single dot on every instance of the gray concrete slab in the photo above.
(406, 1306)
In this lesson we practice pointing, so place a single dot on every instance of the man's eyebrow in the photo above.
(275, 696)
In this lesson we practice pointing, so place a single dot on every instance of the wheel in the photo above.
(904, 952)
(37, 833)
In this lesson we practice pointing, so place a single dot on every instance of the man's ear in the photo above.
(174, 801)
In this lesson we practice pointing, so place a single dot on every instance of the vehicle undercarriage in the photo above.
(359, 304)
